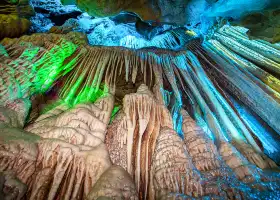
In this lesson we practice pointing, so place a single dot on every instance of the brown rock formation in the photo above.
(11, 187)
(132, 136)
(14, 18)
(172, 171)
(66, 164)
(104, 8)
(115, 183)
(13, 26)
(263, 25)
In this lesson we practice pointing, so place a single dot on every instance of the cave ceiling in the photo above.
(198, 15)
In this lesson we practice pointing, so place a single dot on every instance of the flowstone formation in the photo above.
(153, 111)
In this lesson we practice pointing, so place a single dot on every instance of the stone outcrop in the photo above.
(14, 18)
(102, 8)
(115, 183)
(263, 25)
(63, 161)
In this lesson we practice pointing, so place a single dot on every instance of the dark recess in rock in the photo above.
(58, 18)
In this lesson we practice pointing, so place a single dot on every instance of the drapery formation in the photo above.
(199, 121)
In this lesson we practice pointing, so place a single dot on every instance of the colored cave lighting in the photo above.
(105, 109)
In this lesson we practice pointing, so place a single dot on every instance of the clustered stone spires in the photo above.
(74, 152)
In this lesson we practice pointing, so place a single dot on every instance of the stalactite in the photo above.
(238, 79)
(174, 39)
(233, 123)
(262, 75)
(248, 53)
(33, 66)
(155, 136)
(270, 140)
(131, 62)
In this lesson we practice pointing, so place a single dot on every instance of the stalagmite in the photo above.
(200, 147)
(172, 170)
(131, 137)
(115, 183)
(12, 188)
(217, 163)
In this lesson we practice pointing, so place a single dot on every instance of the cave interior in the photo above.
(139, 99)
